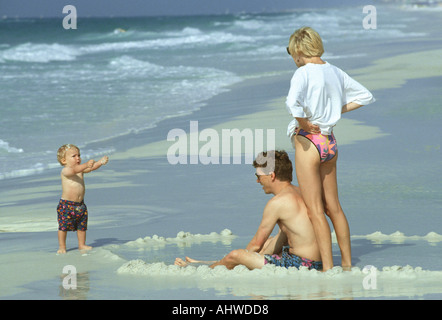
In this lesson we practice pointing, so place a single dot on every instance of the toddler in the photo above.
(71, 210)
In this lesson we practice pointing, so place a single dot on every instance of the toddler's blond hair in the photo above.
(61, 153)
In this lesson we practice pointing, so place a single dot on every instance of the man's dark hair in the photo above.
(276, 161)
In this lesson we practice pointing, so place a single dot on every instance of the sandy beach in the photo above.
(144, 211)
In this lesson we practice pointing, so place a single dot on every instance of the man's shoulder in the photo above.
(291, 197)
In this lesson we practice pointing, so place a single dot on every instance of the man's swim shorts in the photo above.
(288, 259)
(72, 216)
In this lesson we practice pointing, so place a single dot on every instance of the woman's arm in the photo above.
(306, 125)
(350, 107)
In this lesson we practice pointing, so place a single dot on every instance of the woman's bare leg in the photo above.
(334, 210)
(307, 164)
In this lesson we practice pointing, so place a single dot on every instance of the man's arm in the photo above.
(274, 245)
(268, 222)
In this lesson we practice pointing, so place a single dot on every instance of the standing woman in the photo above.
(319, 93)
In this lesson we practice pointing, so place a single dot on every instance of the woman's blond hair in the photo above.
(307, 42)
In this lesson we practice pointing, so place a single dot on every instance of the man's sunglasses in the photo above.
(260, 175)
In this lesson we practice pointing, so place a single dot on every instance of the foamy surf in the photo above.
(140, 267)
(273, 282)
(399, 237)
(292, 283)
(226, 236)
(5, 147)
(182, 238)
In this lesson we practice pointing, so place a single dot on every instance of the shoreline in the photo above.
(267, 114)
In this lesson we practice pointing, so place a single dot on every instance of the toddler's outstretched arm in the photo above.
(84, 167)
(97, 164)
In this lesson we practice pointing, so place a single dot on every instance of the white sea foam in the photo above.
(141, 267)
(129, 64)
(250, 24)
(292, 283)
(226, 236)
(47, 52)
(34, 169)
(6, 147)
(188, 38)
(286, 283)
(44, 53)
(423, 8)
(182, 239)
(129, 67)
(186, 31)
(398, 237)
(138, 266)
(28, 225)
(240, 31)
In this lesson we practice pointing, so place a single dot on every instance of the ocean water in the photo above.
(114, 76)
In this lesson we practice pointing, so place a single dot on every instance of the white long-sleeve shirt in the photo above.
(318, 92)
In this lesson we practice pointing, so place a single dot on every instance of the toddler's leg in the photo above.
(62, 241)
(81, 235)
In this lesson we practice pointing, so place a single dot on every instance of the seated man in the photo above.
(295, 244)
